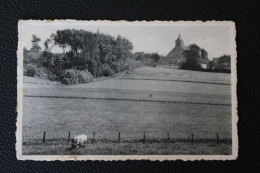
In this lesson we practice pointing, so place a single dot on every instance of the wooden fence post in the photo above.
(69, 138)
(168, 136)
(217, 139)
(43, 139)
(144, 138)
(119, 137)
(94, 133)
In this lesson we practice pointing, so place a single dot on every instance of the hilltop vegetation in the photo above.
(85, 55)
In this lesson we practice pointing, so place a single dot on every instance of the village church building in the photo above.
(175, 56)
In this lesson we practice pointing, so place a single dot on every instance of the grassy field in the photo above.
(177, 74)
(35, 80)
(121, 105)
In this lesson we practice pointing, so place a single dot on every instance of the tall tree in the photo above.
(35, 45)
(192, 55)
(204, 54)
(211, 65)
(155, 57)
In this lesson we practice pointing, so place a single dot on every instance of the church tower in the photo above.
(179, 41)
(175, 56)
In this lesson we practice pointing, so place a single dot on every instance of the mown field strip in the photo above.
(174, 80)
(125, 99)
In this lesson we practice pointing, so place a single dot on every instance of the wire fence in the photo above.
(142, 139)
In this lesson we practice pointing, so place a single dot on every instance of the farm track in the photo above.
(139, 100)
(216, 83)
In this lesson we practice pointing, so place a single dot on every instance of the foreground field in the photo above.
(126, 106)
(107, 118)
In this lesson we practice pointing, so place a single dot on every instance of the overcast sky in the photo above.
(146, 37)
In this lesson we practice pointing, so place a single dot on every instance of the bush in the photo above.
(71, 75)
(153, 65)
(74, 76)
(116, 67)
(42, 73)
(65, 81)
(129, 64)
(84, 77)
(30, 70)
(107, 71)
(52, 76)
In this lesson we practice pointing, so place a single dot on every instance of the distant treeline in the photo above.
(148, 59)
(97, 53)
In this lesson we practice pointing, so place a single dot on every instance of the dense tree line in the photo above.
(98, 53)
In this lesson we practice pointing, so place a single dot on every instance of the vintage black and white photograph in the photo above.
(118, 90)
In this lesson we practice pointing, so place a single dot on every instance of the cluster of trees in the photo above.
(149, 59)
(222, 64)
(100, 54)
(194, 56)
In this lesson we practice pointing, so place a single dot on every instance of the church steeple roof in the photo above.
(179, 37)
(178, 49)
